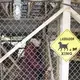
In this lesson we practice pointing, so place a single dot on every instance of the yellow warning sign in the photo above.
(66, 45)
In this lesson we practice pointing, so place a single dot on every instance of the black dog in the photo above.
(62, 46)
(74, 49)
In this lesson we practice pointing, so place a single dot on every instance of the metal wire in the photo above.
(74, 65)
(33, 60)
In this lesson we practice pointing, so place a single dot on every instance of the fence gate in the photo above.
(34, 60)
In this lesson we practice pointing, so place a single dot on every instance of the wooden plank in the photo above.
(5, 0)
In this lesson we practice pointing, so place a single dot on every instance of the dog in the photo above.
(62, 46)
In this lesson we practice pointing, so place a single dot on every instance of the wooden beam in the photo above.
(76, 1)
(5, 0)
(75, 15)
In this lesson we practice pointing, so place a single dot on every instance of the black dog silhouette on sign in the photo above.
(62, 46)
(74, 49)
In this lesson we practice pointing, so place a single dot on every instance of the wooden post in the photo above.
(29, 8)
(17, 9)
(65, 24)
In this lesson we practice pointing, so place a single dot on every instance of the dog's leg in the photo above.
(61, 49)
(64, 49)
(58, 49)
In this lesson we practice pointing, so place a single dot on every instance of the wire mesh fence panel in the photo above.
(74, 65)
(32, 60)
(74, 69)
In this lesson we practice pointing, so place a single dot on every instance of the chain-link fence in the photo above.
(33, 60)
(74, 65)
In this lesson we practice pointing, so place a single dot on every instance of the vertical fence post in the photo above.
(65, 24)
(17, 9)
